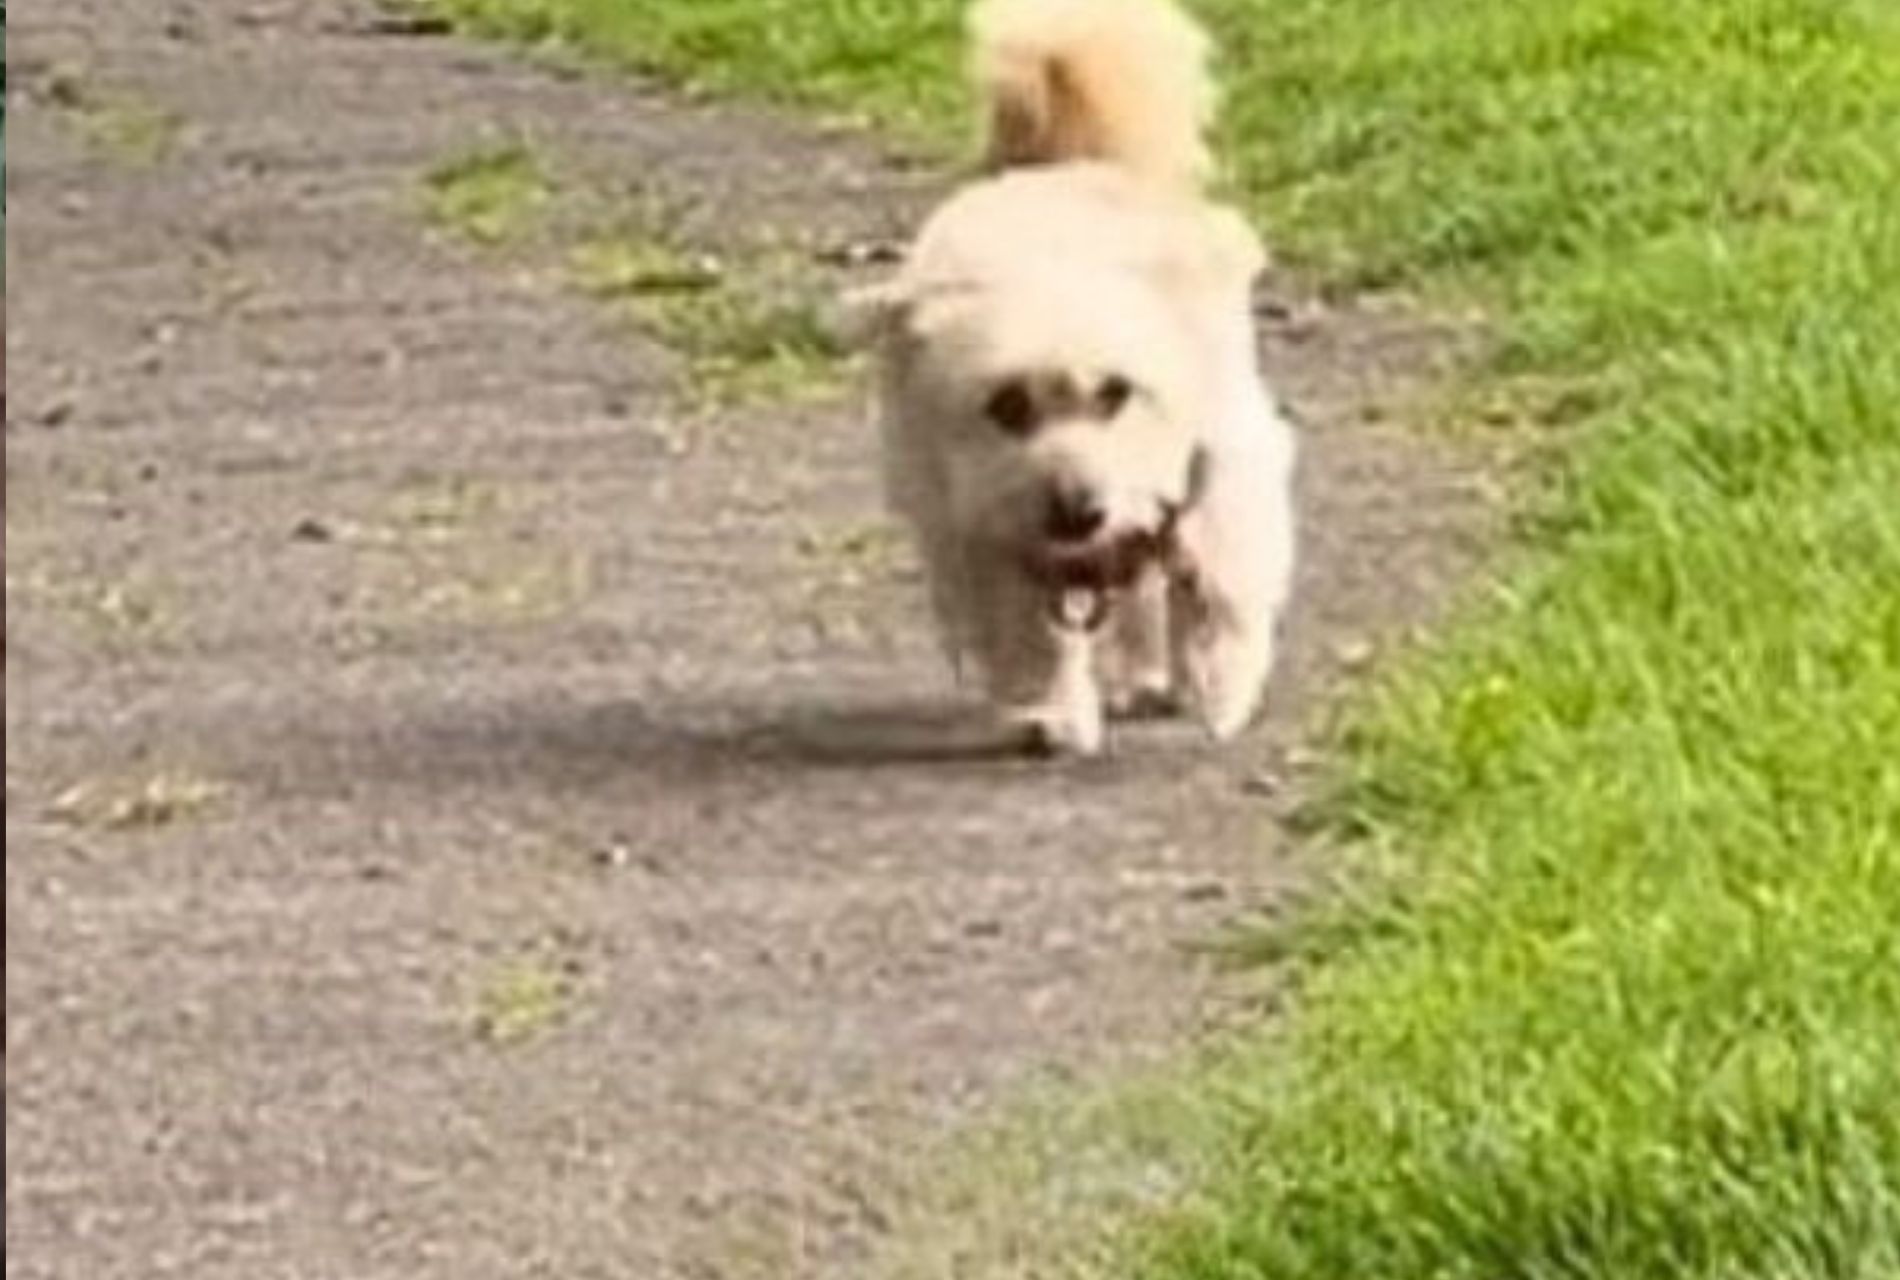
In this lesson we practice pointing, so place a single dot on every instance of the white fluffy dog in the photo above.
(1074, 421)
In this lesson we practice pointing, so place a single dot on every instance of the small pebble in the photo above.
(407, 25)
(311, 529)
(861, 253)
(612, 856)
(1264, 783)
(1355, 654)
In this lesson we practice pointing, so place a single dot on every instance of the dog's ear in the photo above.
(899, 314)
(875, 315)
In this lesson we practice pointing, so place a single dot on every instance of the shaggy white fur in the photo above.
(1074, 421)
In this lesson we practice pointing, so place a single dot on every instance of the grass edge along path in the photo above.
(1619, 991)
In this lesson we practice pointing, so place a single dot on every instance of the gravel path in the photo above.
(454, 831)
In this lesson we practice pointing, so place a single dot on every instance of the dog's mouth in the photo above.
(1081, 578)
(1102, 564)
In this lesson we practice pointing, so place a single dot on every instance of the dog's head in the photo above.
(1065, 409)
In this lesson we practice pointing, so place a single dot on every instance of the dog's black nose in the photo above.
(1073, 516)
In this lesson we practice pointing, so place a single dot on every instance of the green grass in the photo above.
(892, 63)
(488, 195)
(132, 803)
(746, 322)
(116, 124)
(524, 998)
(1617, 991)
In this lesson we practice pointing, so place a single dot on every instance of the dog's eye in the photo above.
(1113, 393)
(1012, 408)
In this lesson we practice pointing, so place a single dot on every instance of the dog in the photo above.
(1073, 420)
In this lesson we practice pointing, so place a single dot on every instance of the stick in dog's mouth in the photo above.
(1083, 583)
(1080, 608)
(1083, 580)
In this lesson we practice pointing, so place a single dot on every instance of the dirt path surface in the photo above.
(454, 831)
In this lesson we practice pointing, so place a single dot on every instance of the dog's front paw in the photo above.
(1227, 675)
(1056, 731)
(1149, 698)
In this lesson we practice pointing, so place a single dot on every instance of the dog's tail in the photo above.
(1123, 81)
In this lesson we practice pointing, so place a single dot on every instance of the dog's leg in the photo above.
(1041, 675)
(1138, 673)
(1232, 573)
(1226, 654)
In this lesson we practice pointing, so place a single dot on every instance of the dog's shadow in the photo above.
(885, 735)
(564, 745)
